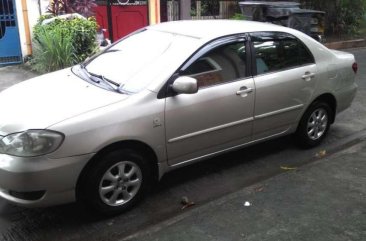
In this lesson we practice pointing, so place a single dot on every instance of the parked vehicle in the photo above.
(161, 98)
(288, 14)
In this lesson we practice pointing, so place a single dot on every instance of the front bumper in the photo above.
(40, 181)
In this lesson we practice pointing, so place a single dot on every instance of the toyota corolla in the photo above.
(103, 132)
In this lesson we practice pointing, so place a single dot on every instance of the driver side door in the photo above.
(220, 115)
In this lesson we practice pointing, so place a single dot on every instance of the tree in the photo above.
(342, 16)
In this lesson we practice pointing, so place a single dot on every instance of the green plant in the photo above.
(342, 16)
(83, 33)
(57, 7)
(52, 51)
(79, 33)
(84, 7)
(352, 13)
(238, 16)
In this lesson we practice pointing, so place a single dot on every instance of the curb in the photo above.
(357, 43)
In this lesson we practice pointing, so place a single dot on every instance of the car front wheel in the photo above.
(116, 182)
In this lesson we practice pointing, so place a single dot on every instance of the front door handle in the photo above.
(244, 91)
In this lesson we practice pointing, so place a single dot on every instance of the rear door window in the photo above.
(276, 51)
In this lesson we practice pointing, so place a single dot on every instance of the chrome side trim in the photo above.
(179, 138)
(278, 111)
(225, 150)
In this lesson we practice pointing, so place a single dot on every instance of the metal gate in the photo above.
(10, 52)
(126, 15)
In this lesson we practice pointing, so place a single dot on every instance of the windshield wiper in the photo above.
(82, 66)
(100, 77)
(112, 50)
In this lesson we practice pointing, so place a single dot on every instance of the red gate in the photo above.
(127, 16)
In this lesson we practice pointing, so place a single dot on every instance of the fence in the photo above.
(173, 10)
(209, 9)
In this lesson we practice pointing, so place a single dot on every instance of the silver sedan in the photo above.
(166, 96)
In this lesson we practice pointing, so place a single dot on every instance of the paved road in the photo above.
(10, 75)
(201, 183)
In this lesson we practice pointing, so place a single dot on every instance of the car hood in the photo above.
(43, 101)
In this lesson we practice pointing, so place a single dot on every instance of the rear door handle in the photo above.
(244, 91)
(307, 76)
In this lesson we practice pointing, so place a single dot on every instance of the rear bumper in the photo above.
(40, 181)
(345, 97)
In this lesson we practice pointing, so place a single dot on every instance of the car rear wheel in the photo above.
(314, 124)
(116, 182)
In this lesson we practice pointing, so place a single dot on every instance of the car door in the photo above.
(285, 80)
(220, 114)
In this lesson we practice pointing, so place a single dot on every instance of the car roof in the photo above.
(203, 29)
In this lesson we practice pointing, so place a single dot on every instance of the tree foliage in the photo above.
(342, 16)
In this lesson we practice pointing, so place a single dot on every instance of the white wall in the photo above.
(23, 45)
(33, 12)
(33, 15)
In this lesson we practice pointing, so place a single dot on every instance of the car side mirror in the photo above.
(185, 85)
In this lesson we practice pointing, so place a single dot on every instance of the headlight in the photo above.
(31, 143)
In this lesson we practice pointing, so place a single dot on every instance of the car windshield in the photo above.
(129, 57)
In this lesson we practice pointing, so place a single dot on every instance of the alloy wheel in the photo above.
(317, 124)
(120, 183)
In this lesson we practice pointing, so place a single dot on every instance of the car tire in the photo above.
(116, 182)
(314, 125)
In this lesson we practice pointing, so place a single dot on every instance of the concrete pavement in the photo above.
(10, 75)
(325, 200)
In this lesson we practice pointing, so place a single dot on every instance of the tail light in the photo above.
(355, 67)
